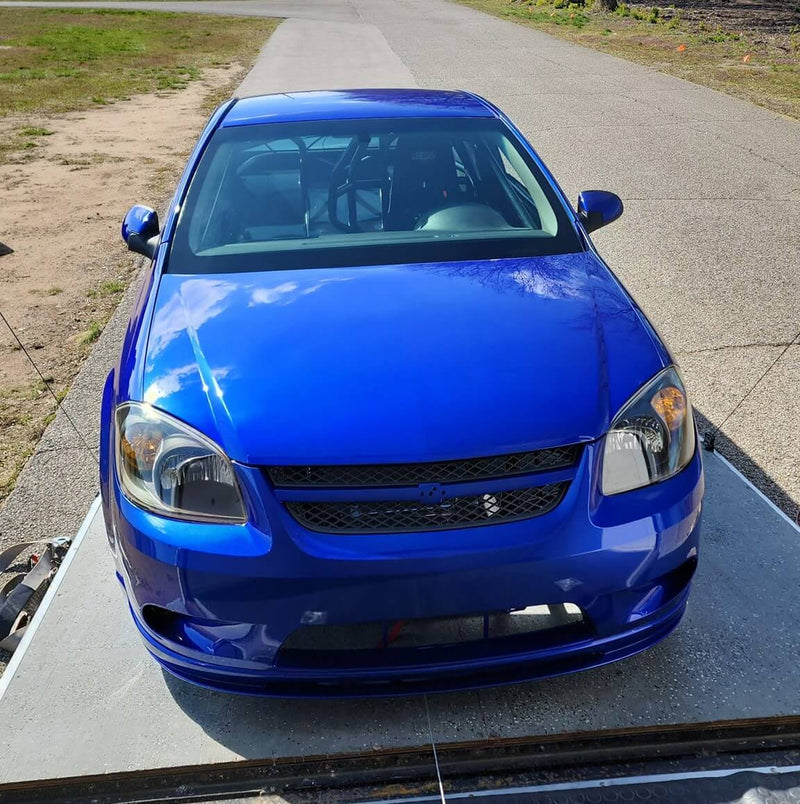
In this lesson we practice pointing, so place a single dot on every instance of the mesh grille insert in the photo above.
(397, 516)
(413, 474)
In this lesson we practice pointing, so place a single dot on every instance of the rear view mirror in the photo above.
(598, 208)
(140, 230)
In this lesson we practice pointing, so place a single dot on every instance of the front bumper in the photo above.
(216, 604)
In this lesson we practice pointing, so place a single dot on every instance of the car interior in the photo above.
(314, 186)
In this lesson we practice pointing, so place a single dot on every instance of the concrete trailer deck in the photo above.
(83, 688)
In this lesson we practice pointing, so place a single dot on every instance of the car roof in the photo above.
(354, 104)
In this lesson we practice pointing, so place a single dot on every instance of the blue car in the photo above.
(384, 422)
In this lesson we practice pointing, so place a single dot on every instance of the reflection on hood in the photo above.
(398, 363)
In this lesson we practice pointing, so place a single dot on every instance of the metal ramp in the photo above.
(82, 692)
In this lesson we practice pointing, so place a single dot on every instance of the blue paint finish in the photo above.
(394, 363)
(328, 370)
(355, 104)
(598, 208)
(128, 376)
(613, 573)
(140, 220)
(106, 436)
(459, 673)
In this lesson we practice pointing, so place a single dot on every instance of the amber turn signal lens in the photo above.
(141, 447)
(670, 404)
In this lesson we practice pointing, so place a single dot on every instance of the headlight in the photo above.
(651, 438)
(169, 468)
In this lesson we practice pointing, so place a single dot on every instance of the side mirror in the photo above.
(140, 230)
(597, 208)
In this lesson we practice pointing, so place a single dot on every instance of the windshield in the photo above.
(365, 192)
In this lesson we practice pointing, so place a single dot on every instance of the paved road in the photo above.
(709, 244)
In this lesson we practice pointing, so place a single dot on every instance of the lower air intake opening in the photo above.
(420, 641)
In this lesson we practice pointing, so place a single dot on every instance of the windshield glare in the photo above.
(364, 192)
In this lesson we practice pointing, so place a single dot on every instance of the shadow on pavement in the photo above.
(753, 471)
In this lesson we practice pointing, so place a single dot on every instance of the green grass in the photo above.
(57, 60)
(35, 131)
(24, 413)
(53, 291)
(110, 288)
(113, 286)
(91, 335)
(763, 70)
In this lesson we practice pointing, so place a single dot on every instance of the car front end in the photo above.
(269, 606)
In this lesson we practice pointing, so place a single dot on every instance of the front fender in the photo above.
(106, 446)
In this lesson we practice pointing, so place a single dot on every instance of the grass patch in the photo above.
(761, 69)
(57, 60)
(110, 288)
(22, 138)
(35, 131)
(54, 291)
(113, 286)
(91, 334)
(25, 410)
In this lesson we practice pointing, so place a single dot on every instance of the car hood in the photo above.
(398, 363)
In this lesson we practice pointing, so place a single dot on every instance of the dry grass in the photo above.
(55, 60)
(761, 68)
(25, 410)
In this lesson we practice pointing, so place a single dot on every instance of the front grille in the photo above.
(398, 516)
(413, 474)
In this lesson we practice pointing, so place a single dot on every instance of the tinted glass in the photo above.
(365, 192)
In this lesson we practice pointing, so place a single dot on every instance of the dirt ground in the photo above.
(774, 17)
(63, 201)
